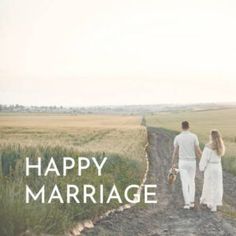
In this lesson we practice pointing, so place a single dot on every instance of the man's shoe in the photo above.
(213, 209)
(187, 207)
(192, 205)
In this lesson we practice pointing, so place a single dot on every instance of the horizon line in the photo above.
(126, 105)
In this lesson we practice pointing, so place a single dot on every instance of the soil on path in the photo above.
(168, 217)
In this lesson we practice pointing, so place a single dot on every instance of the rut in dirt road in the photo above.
(167, 217)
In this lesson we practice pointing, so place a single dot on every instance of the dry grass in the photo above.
(103, 133)
(67, 121)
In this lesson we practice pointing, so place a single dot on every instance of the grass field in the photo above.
(118, 134)
(201, 123)
(121, 138)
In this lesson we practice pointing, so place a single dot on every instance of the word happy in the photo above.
(89, 191)
(68, 163)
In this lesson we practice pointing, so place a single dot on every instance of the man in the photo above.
(186, 146)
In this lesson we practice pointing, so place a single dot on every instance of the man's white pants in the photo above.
(187, 170)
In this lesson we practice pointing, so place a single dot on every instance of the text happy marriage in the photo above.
(69, 194)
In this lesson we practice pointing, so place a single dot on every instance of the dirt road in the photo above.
(167, 216)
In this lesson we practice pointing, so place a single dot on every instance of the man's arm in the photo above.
(198, 151)
(175, 155)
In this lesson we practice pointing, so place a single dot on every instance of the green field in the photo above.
(120, 138)
(201, 123)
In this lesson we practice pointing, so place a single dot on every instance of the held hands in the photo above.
(173, 166)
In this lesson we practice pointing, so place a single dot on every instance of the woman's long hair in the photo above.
(216, 142)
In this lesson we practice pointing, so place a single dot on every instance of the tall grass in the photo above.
(16, 216)
(229, 164)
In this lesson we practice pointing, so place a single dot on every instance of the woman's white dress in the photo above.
(212, 191)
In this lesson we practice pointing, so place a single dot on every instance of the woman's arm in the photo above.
(204, 159)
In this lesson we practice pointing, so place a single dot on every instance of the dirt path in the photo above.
(167, 216)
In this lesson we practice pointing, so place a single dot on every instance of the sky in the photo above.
(117, 52)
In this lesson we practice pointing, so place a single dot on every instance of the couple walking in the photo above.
(186, 147)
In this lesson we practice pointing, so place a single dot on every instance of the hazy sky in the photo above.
(90, 52)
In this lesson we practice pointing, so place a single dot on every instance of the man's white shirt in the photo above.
(186, 141)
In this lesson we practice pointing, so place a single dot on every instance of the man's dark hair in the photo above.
(185, 125)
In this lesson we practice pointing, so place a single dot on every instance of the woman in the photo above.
(210, 163)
